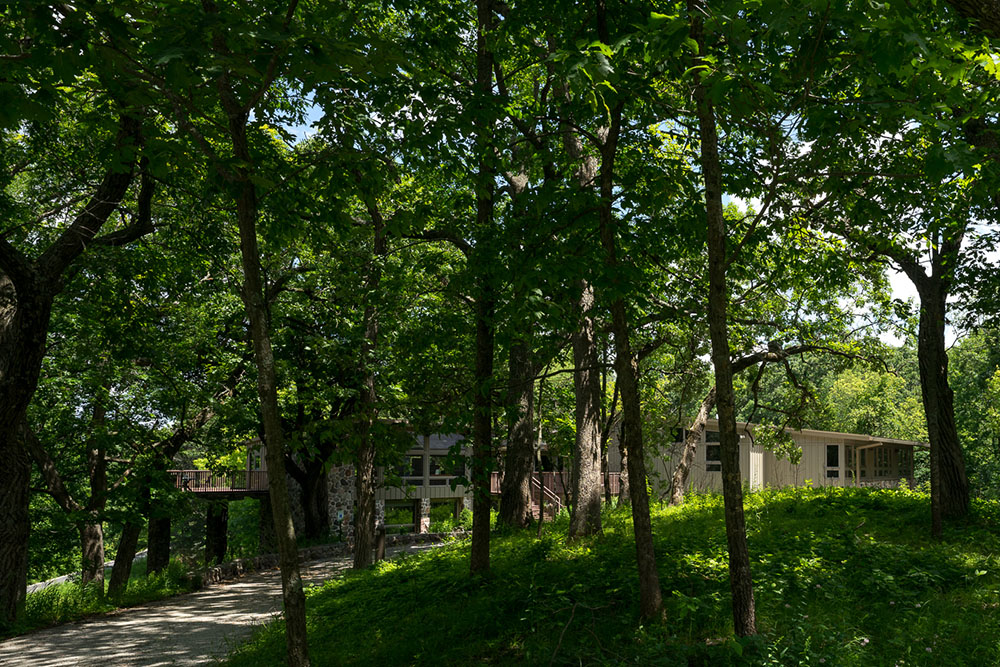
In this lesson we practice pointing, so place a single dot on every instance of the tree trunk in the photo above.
(14, 526)
(364, 478)
(741, 583)
(515, 492)
(267, 539)
(124, 557)
(216, 532)
(293, 593)
(949, 484)
(586, 474)
(157, 544)
(679, 481)
(650, 595)
(27, 288)
(315, 509)
(92, 548)
(485, 308)
(482, 432)
(24, 319)
(623, 485)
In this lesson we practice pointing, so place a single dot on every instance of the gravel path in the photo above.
(192, 629)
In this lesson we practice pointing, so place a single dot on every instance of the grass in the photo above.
(842, 577)
(63, 603)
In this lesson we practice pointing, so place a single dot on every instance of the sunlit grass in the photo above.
(62, 603)
(842, 577)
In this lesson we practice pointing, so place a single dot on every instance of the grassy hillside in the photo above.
(842, 577)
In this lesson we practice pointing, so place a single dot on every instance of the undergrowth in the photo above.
(842, 577)
(62, 603)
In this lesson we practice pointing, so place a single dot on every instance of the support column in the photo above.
(425, 516)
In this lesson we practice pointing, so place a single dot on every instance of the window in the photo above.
(713, 458)
(712, 436)
(832, 461)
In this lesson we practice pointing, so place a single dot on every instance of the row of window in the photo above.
(876, 462)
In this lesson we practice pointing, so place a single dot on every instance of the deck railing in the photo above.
(208, 481)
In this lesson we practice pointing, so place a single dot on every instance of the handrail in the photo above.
(208, 481)
(551, 495)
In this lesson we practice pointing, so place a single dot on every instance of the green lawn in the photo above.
(842, 577)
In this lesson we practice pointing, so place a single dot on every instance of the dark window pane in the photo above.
(833, 456)
(832, 473)
(712, 436)
(713, 453)
(713, 467)
(677, 434)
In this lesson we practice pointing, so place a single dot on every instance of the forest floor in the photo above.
(192, 629)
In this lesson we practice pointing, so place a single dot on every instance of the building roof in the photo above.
(713, 424)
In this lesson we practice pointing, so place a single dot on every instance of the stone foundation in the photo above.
(340, 480)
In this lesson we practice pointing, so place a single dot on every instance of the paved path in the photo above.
(192, 629)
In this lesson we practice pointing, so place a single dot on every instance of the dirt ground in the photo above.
(193, 629)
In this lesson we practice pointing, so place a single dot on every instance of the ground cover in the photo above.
(843, 577)
(66, 602)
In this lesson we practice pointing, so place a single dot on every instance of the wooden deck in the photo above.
(228, 484)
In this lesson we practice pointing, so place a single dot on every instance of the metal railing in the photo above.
(208, 481)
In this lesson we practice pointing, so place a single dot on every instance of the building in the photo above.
(828, 459)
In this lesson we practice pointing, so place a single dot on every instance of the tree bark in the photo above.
(157, 544)
(485, 307)
(216, 532)
(741, 583)
(949, 484)
(482, 432)
(586, 474)
(293, 593)
(92, 548)
(515, 492)
(27, 288)
(679, 480)
(623, 485)
(364, 478)
(124, 557)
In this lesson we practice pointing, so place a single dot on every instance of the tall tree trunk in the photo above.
(949, 484)
(364, 478)
(650, 595)
(485, 308)
(679, 480)
(27, 288)
(124, 557)
(586, 474)
(293, 594)
(515, 492)
(482, 432)
(741, 583)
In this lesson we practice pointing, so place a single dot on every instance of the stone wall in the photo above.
(340, 481)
